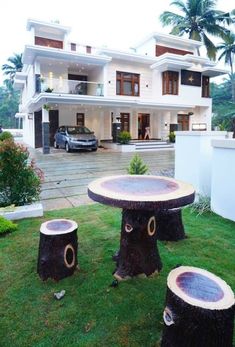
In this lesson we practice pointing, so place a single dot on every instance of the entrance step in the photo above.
(151, 145)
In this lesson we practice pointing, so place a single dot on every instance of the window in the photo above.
(42, 41)
(199, 126)
(73, 46)
(191, 78)
(88, 49)
(205, 87)
(170, 82)
(127, 84)
(80, 119)
(183, 122)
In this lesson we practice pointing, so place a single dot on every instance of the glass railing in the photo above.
(63, 86)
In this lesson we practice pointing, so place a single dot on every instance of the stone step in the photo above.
(148, 143)
(154, 148)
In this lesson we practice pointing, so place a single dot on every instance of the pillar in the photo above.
(45, 131)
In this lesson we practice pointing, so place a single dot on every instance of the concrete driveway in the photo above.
(66, 175)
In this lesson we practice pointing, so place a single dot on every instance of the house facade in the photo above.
(161, 84)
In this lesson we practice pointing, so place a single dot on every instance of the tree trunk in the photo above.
(199, 310)
(169, 225)
(138, 245)
(57, 257)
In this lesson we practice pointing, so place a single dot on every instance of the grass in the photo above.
(92, 313)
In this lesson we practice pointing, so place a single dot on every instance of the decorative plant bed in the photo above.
(20, 212)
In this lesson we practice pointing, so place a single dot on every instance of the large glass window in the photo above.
(127, 83)
(170, 82)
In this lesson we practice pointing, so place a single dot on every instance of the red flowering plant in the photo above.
(20, 179)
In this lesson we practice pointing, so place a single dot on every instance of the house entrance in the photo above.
(143, 126)
(183, 122)
(125, 121)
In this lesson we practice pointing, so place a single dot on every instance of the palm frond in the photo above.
(170, 18)
(210, 47)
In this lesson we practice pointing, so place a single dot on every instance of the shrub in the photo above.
(6, 135)
(137, 166)
(172, 137)
(19, 178)
(124, 137)
(6, 226)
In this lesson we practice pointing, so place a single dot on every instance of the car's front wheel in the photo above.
(94, 149)
(67, 148)
(55, 144)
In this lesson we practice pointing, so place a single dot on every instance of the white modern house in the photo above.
(162, 84)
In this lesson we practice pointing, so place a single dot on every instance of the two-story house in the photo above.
(162, 84)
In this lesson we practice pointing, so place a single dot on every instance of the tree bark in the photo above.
(170, 225)
(57, 257)
(203, 316)
(138, 245)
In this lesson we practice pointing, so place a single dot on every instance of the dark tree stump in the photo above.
(138, 245)
(57, 257)
(170, 225)
(199, 310)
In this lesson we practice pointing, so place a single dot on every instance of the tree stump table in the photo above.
(170, 225)
(140, 196)
(199, 310)
(57, 257)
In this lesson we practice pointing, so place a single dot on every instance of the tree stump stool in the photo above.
(199, 310)
(138, 254)
(170, 225)
(57, 257)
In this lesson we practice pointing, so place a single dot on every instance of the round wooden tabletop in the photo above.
(141, 192)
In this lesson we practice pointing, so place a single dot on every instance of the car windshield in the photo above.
(78, 130)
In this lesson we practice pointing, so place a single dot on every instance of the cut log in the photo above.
(57, 257)
(138, 245)
(170, 225)
(199, 310)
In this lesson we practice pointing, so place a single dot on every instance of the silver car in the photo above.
(75, 137)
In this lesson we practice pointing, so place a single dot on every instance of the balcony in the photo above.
(64, 86)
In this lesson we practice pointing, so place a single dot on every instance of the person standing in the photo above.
(147, 133)
(1, 129)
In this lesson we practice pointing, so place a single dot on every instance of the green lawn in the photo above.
(92, 313)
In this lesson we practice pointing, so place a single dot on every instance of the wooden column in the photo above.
(199, 310)
(57, 257)
(138, 245)
(170, 225)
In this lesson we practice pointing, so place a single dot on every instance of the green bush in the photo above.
(20, 180)
(172, 137)
(137, 166)
(6, 226)
(6, 135)
(124, 137)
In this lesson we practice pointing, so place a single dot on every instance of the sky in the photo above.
(113, 23)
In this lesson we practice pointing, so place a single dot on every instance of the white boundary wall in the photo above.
(223, 178)
(193, 158)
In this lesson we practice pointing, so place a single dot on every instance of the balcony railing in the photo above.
(63, 86)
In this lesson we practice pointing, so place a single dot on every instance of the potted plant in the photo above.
(124, 137)
(48, 90)
(46, 107)
(172, 137)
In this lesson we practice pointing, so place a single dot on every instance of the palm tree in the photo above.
(228, 53)
(198, 20)
(228, 50)
(15, 65)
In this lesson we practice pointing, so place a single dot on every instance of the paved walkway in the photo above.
(66, 175)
